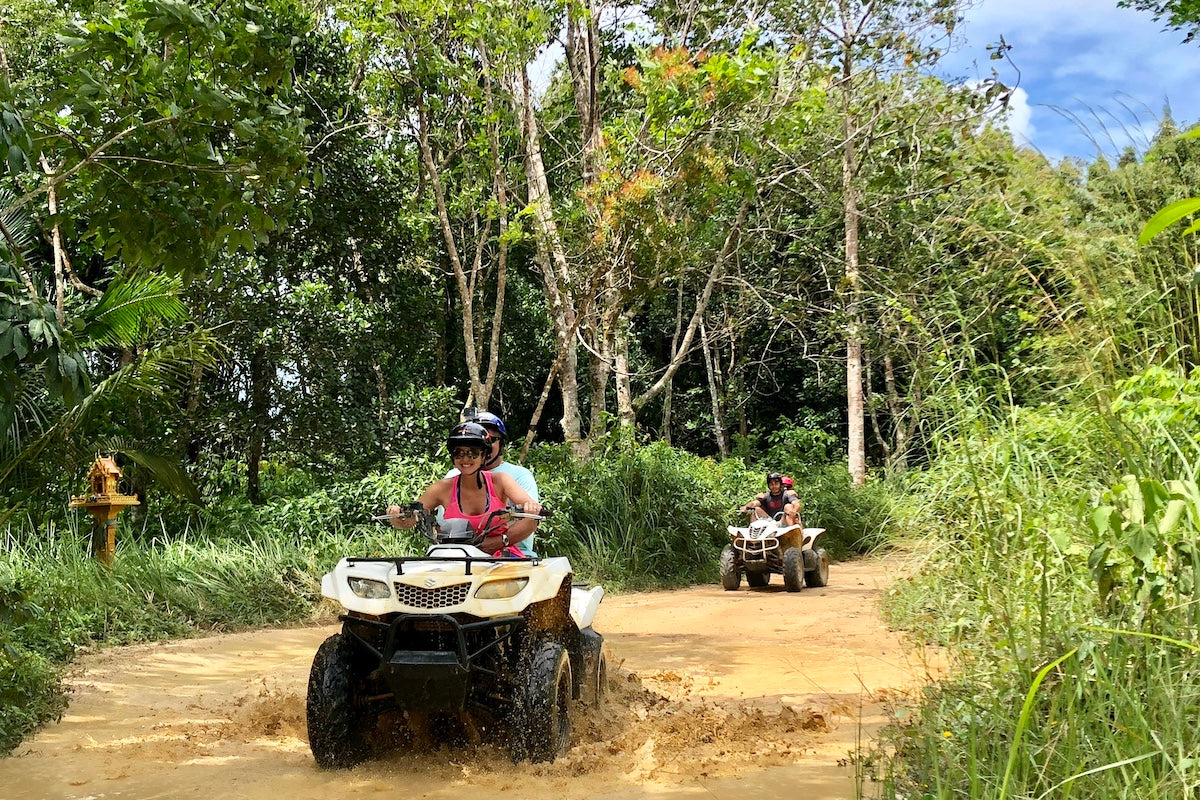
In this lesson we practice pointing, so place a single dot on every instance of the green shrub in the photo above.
(1069, 610)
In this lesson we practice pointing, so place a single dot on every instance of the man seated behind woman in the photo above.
(472, 494)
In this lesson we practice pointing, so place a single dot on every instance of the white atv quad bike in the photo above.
(498, 644)
(766, 546)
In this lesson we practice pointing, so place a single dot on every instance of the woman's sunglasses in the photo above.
(465, 452)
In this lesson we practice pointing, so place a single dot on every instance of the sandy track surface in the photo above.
(712, 694)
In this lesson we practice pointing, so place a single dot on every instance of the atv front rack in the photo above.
(756, 549)
(430, 662)
(465, 559)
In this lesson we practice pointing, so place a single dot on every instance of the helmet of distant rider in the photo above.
(468, 434)
(774, 476)
(490, 420)
(788, 483)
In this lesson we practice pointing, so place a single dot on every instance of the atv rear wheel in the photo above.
(544, 723)
(818, 576)
(337, 726)
(731, 576)
(597, 683)
(793, 569)
(758, 579)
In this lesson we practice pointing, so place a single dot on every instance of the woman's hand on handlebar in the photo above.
(401, 518)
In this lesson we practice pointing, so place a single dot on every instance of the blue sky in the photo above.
(1093, 77)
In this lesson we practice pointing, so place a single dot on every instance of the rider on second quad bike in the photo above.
(775, 501)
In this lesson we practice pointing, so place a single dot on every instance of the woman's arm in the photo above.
(436, 494)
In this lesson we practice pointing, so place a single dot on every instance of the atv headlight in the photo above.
(499, 590)
(369, 589)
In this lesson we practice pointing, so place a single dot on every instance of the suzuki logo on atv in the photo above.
(430, 583)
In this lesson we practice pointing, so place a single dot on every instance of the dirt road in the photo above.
(754, 693)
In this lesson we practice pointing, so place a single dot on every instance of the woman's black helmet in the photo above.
(468, 434)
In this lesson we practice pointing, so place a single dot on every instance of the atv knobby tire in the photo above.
(793, 569)
(544, 723)
(337, 728)
(731, 576)
(596, 687)
(758, 579)
(819, 575)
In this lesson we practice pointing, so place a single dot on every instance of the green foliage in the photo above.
(1146, 559)
(177, 161)
(1180, 15)
(1059, 596)
(638, 516)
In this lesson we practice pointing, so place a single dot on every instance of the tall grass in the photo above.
(56, 598)
(1068, 601)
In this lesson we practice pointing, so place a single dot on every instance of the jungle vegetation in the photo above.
(265, 252)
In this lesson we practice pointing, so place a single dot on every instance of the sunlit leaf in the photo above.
(1168, 216)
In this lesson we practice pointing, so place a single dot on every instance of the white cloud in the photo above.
(1018, 118)
(1090, 77)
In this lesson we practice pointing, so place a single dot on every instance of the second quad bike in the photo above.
(766, 546)
(457, 639)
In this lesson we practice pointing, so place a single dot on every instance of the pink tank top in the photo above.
(476, 521)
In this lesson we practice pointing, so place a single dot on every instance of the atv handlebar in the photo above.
(427, 522)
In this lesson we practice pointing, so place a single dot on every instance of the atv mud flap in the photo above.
(429, 661)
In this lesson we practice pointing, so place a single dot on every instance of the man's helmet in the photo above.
(468, 434)
(488, 419)
(774, 476)
(788, 483)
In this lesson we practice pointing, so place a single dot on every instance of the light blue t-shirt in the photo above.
(524, 479)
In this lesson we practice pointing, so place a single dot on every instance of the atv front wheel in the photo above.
(793, 569)
(337, 727)
(818, 576)
(545, 720)
(731, 576)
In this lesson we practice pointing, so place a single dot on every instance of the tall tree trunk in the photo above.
(552, 259)
(461, 282)
(625, 412)
(260, 398)
(714, 395)
(855, 429)
(60, 284)
(582, 45)
(603, 359)
(669, 389)
(184, 441)
(899, 459)
(583, 60)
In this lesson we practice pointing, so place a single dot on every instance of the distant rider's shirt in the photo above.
(774, 504)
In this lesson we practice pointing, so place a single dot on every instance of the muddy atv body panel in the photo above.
(765, 548)
(499, 644)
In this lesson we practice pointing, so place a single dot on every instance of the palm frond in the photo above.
(16, 235)
(166, 471)
(150, 374)
(133, 306)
